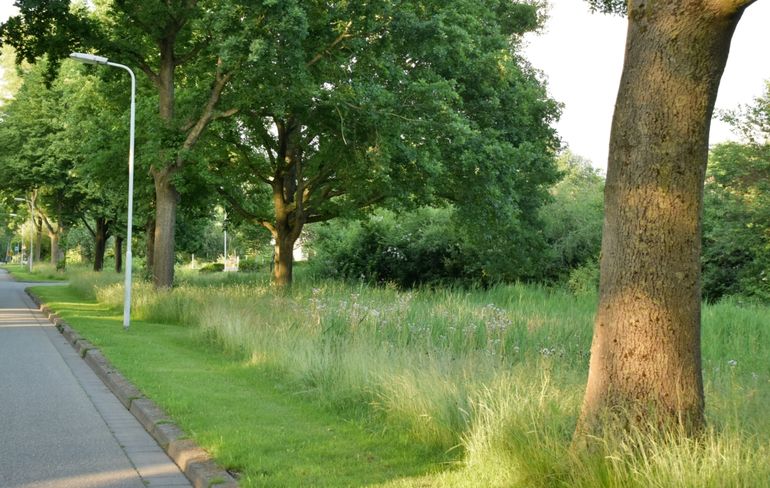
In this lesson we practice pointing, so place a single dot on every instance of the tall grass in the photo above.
(495, 375)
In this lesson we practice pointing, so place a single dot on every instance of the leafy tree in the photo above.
(348, 106)
(188, 49)
(736, 236)
(33, 161)
(645, 356)
(573, 219)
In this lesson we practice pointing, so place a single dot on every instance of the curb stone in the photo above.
(194, 461)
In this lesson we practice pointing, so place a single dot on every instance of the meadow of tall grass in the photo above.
(494, 375)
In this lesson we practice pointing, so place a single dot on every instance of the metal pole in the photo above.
(94, 59)
(32, 233)
(129, 263)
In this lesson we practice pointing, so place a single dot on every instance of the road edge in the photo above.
(196, 464)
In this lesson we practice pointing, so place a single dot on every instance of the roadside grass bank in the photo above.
(494, 378)
(245, 415)
(40, 272)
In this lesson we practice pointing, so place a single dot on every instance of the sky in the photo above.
(581, 56)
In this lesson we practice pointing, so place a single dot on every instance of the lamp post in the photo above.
(93, 59)
(32, 234)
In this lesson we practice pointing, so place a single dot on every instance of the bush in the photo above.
(422, 247)
(248, 266)
(584, 280)
(212, 268)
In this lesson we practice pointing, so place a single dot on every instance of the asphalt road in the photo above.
(59, 425)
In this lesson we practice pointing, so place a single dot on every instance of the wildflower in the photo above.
(732, 362)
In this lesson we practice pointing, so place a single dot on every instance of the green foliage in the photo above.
(212, 268)
(573, 219)
(394, 105)
(584, 279)
(423, 247)
(248, 266)
(619, 7)
(736, 229)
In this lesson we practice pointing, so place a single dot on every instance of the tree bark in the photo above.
(166, 201)
(645, 367)
(118, 254)
(283, 260)
(38, 238)
(150, 251)
(288, 202)
(101, 234)
(54, 237)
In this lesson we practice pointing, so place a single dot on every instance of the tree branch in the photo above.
(344, 35)
(90, 230)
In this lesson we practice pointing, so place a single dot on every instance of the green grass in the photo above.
(244, 414)
(492, 379)
(40, 272)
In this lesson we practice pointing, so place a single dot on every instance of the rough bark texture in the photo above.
(645, 358)
(150, 257)
(288, 192)
(100, 242)
(283, 261)
(118, 254)
(166, 201)
(166, 196)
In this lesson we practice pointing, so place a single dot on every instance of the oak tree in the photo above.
(645, 365)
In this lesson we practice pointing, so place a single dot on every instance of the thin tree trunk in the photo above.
(38, 238)
(118, 254)
(645, 366)
(100, 242)
(166, 201)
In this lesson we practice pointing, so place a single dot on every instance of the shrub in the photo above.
(422, 247)
(212, 268)
(248, 266)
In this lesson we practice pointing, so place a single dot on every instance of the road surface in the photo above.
(60, 427)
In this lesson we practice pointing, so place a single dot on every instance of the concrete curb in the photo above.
(195, 463)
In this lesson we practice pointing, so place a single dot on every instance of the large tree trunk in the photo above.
(54, 237)
(283, 260)
(645, 364)
(287, 203)
(100, 242)
(118, 254)
(166, 201)
(150, 251)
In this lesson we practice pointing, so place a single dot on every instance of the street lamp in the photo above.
(32, 234)
(93, 59)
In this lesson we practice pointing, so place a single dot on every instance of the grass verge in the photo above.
(243, 414)
(40, 272)
(493, 377)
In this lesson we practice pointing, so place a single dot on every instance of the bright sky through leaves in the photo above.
(581, 55)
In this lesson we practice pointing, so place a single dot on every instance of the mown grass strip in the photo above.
(41, 272)
(243, 413)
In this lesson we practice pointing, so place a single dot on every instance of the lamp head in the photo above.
(88, 58)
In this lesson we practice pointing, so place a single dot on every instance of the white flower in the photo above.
(732, 362)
